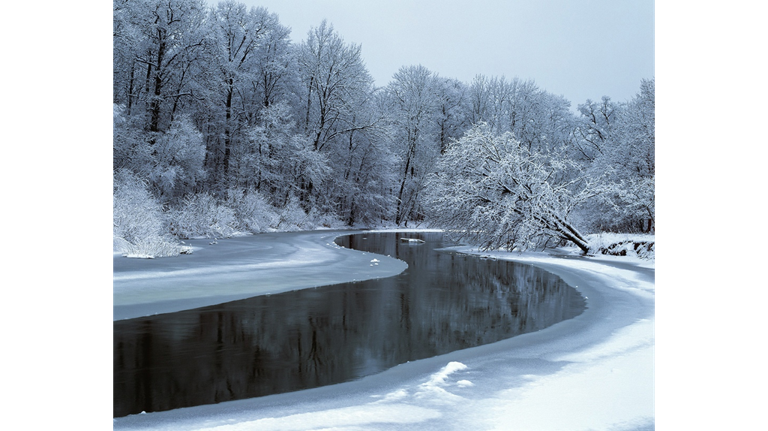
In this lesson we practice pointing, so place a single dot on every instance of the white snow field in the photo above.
(593, 372)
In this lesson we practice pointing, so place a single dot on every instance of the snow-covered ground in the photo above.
(595, 371)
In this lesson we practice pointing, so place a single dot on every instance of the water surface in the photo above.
(297, 340)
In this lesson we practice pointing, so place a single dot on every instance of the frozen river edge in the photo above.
(591, 372)
(237, 268)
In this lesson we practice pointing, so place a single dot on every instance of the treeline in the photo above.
(223, 124)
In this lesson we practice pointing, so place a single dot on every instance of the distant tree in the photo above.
(275, 77)
(415, 109)
(334, 77)
(493, 191)
(633, 161)
(158, 47)
(538, 119)
(451, 117)
(177, 160)
(618, 144)
(337, 87)
(277, 158)
(238, 34)
(596, 127)
(361, 186)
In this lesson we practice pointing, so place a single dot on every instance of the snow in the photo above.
(238, 268)
(412, 240)
(595, 371)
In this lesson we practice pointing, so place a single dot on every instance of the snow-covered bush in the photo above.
(292, 217)
(138, 220)
(200, 215)
(129, 148)
(178, 156)
(154, 246)
(613, 244)
(252, 210)
(321, 220)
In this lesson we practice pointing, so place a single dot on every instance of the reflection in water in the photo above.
(308, 338)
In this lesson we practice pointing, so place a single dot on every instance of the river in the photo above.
(307, 338)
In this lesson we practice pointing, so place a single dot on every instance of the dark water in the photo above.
(303, 339)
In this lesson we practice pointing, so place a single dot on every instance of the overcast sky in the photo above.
(581, 49)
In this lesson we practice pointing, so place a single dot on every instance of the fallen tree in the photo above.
(494, 192)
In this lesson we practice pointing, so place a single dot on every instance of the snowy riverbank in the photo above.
(595, 371)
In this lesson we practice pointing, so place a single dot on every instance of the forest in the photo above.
(223, 125)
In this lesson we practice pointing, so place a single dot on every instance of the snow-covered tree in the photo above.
(634, 160)
(275, 76)
(335, 79)
(276, 159)
(452, 119)
(538, 119)
(159, 47)
(177, 159)
(238, 34)
(415, 110)
(172, 165)
(129, 148)
(598, 119)
(618, 144)
(492, 190)
(361, 186)
(337, 93)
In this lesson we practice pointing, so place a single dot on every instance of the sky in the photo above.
(596, 370)
(581, 50)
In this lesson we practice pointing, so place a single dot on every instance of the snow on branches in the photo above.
(499, 194)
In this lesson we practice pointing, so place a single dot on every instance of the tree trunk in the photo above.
(571, 234)
(130, 88)
(227, 132)
(399, 216)
(154, 125)
(309, 104)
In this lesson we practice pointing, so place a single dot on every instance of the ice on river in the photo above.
(214, 274)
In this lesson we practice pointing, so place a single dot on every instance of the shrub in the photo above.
(138, 220)
(252, 210)
(200, 215)
(292, 217)
(324, 220)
